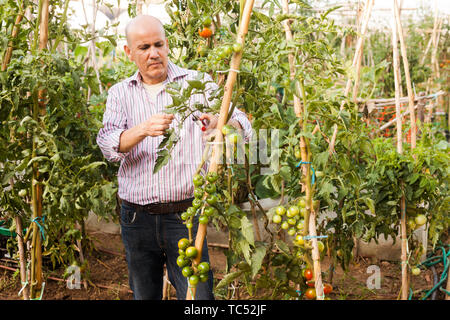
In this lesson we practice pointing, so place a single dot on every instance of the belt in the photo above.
(161, 207)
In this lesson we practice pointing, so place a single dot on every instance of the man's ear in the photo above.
(127, 52)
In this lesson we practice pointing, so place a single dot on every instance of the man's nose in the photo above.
(153, 52)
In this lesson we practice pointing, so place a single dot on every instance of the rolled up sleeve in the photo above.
(114, 123)
(242, 118)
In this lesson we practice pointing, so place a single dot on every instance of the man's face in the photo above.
(148, 48)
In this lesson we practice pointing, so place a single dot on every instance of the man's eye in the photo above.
(145, 47)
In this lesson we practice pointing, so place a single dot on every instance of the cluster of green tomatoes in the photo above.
(292, 221)
(205, 200)
(201, 205)
(187, 253)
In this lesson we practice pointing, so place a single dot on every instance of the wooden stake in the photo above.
(22, 258)
(14, 33)
(355, 64)
(223, 116)
(36, 252)
(310, 218)
(412, 113)
(404, 239)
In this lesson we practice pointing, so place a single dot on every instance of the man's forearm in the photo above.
(129, 139)
(235, 123)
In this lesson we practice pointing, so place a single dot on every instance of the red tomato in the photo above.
(205, 32)
(310, 293)
(308, 274)
(327, 288)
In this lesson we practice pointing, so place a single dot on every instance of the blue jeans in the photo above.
(151, 240)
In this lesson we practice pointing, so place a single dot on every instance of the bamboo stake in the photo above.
(14, 33)
(310, 218)
(22, 258)
(223, 116)
(36, 253)
(356, 62)
(316, 256)
(404, 239)
(412, 113)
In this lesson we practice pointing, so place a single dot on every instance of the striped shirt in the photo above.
(129, 104)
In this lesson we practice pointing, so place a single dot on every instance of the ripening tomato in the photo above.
(308, 274)
(310, 293)
(183, 243)
(205, 32)
(327, 288)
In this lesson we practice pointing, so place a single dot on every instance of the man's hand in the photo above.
(213, 120)
(155, 126)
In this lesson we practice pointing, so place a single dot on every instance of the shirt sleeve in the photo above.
(242, 118)
(114, 123)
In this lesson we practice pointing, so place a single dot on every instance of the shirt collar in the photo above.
(173, 72)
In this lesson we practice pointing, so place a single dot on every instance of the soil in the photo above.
(108, 277)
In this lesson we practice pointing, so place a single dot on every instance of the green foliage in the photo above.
(60, 143)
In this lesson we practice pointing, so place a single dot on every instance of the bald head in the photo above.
(141, 24)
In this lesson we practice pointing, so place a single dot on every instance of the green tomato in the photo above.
(302, 203)
(211, 199)
(276, 218)
(280, 210)
(183, 243)
(187, 271)
(182, 261)
(227, 129)
(197, 203)
(210, 188)
(420, 220)
(415, 271)
(292, 231)
(237, 47)
(191, 252)
(303, 212)
(198, 180)
(203, 277)
(209, 211)
(203, 219)
(193, 280)
(285, 225)
(227, 50)
(292, 211)
(212, 177)
(234, 137)
(207, 21)
(203, 267)
(191, 211)
(199, 192)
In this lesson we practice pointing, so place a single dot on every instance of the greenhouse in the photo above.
(225, 150)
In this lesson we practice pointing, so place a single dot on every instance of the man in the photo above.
(134, 122)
